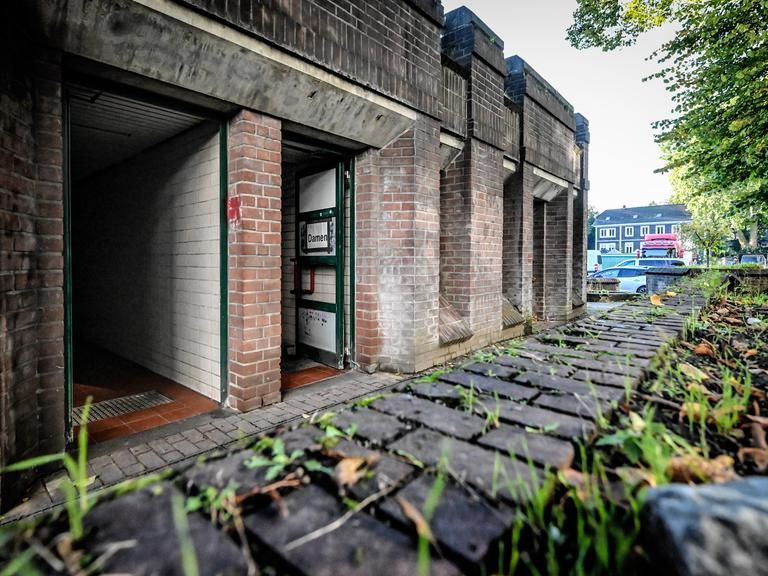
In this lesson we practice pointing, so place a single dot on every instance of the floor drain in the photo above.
(120, 406)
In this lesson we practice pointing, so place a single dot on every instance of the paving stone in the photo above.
(123, 458)
(110, 474)
(473, 464)
(605, 378)
(186, 447)
(146, 517)
(435, 391)
(173, 438)
(465, 527)
(557, 351)
(609, 365)
(371, 425)
(151, 460)
(193, 435)
(569, 385)
(172, 456)
(575, 404)
(555, 423)
(302, 438)
(387, 472)
(204, 445)
(101, 461)
(218, 437)
(160, 446)
(531, 365)
(542, 449)
(205, 427)
(362, 545)
(133, 469)
(229, 470)
(487, 385)
(430, 414)
(140, 449)
(490, 369)
(223, 425)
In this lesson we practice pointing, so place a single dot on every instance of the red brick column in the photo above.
(254, 261)
(367, 206)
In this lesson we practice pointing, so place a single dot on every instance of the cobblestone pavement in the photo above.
(117, 460)
(546, 392)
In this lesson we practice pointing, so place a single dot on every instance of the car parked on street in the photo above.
(753, 259)
(651, 262)
(631, 278)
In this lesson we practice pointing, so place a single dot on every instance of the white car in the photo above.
(631, 278)
(651, 262)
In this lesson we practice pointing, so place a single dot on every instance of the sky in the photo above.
(606, 87)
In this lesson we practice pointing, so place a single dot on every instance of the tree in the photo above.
(715, 67)
(706, 203)
(706, 235)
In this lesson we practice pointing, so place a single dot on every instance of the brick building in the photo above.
(212, 190)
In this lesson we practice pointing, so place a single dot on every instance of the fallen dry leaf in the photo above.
(703, 390)
(656, 300)
(723, 311)
(670, 293)
(693, 372)
(693, 468)
(636, 476)
(692, 410)
(760, 452)
(704, 349)
(349, 470)
(419, 522)
(725, 411)
(749, 353)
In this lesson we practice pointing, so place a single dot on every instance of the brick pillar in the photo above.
(472, 210)
(580, 218)
(518, 239)
(539, 260)
(367, 229)
(254, 261)
(32, 399)
(408, 247)
(558, 254)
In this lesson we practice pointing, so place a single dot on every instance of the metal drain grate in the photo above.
(120, 406)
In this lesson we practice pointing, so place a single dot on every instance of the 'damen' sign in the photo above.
(317, 236)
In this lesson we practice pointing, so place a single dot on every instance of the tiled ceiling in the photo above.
(107, 128)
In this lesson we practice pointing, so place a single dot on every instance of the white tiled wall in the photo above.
(146, 259)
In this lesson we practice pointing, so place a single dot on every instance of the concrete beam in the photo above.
(166, 41)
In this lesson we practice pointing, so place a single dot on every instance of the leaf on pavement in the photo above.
(692, 468)
(656, 300)
(693, 372)
(749, 353)
(351, 469)
(670, 293)
(704, 349)
(419, 522)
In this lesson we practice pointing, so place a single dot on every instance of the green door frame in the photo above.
(158, 100)
(337, 261)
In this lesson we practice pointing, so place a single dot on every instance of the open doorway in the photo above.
(145, 260)
(316, 250)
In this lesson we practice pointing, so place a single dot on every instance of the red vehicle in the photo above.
(661, 246)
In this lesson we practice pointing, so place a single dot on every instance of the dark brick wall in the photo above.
(389, 45)
(31, 269)
(453, 103)
(468, 41)
(512, 121)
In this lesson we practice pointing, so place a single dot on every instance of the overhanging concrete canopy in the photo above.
(547, 185)
(168, 42)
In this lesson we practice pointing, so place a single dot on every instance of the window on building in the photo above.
(629, 247)
(660, 229)
(607, 232)
(629, 231)
(606, 246)
(675, 228)
(645, 230)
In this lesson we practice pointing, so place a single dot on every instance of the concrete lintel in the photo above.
(551, 177)
(450, 148)
(166, 41)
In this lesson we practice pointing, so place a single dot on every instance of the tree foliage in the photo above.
(716, 68)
